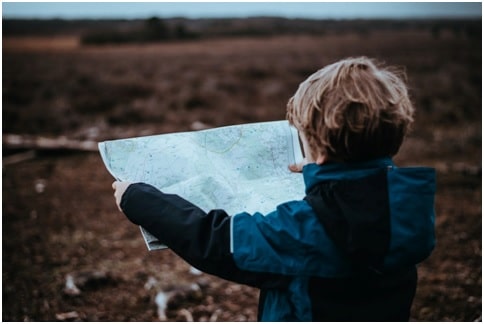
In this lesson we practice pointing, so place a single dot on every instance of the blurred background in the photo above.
(75, 74)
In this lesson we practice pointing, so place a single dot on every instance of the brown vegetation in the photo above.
(59, 217)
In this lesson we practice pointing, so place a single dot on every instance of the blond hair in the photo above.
(352, 110)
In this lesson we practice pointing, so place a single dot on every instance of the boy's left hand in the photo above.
(119, 189)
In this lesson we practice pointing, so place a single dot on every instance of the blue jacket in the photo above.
(347, 251)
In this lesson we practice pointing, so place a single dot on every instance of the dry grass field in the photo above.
(59, 216)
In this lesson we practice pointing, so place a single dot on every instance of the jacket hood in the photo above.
(314, 173)
(380, 216)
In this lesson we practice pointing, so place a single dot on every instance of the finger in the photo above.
(296, 167)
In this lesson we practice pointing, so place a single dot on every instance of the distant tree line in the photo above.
(154, 29)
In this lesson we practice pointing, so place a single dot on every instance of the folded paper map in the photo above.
(236, 168)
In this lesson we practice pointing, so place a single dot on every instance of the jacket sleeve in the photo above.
(202, 239)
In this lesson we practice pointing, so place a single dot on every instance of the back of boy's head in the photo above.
(352, 110)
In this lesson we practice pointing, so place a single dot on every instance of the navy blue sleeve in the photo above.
(202, 239)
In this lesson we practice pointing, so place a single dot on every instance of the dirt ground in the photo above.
(59, 217)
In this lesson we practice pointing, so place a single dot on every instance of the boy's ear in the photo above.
(321, 159)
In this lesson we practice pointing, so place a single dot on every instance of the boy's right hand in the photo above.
(297, 167)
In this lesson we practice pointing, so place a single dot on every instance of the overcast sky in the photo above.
(337, 10)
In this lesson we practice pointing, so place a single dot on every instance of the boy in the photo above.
(347, 251)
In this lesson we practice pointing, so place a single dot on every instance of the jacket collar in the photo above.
(314, 173)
